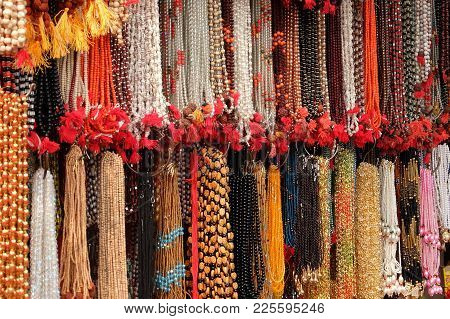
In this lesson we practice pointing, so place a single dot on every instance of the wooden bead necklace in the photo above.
(14, 215)
(216, 270)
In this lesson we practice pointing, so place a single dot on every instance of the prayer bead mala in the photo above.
(407, 176)
(345, 286)
(92, 191)
(358, 51)
(308, 229)
(120, 60)
(12, 17)
(216, 268)
(14, 215)
(112, 270)
(441, 174)
(275, 233)
(245, 221)
(228, 37)
(323, 76)
(367, 233)
(169, 259)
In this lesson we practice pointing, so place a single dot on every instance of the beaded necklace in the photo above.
(323, 76)
(120, 60)
(228, 36)
(308, 246)
(409, 28)
(145, 72)
(44, 277)
(216, 268)
(309, 62)
(442, 7)
(441, 158)
(112, 270)
(243, 64)
(14, 197)
(334, 66)
(245, 221)
(263, 81)
(367, 233)
(275, 233)
(393, 281)
(345, 287)
(169, 260)
(348, 65)
(408, 194)
(197, 53)
(146, 230)
(358, 51)
(321, 289)
(13, 31)
(429, 233)
(290, 193)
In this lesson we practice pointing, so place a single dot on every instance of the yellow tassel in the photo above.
(59, 47)
(80, 39)
(64, 27)
(100, 18)
(37, 55)
(45, 41)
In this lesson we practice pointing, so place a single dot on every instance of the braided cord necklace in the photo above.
(367, 233)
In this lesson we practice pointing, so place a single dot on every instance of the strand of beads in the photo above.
(323, 76)
(393, 281)
(367, 232)
(217, 274)
(358, 51)
(13, 197)
(348, 65)
(13, 22)
(44, 277)
(290, 193)
(441, 159)
(345, 287)
(429, 232)
(145, 73)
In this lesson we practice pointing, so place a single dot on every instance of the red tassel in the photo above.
(23, 59)
(309, 4)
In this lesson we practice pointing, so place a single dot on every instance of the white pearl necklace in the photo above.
(441, 171)
(348, 64)
(12, 25)
(423, 37)
(264, 88)
(243, 64)
(44, 275)
(198, 84)
(393, 280)
(145, 72)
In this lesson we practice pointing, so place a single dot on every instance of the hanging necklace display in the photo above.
(14, 280)
(308, 241)
(245, 220)
(321, 289)
(408, 194)
(345, 287)
(74, 271)
(393, 280)
(429, 233)
(367, 233)
(145, 73)
(358, 51)
(275, 233)
(263, 81)
(216, 268)
(441, 159)
(112, 275)
(44, 277)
